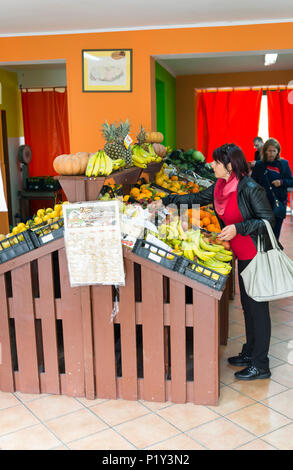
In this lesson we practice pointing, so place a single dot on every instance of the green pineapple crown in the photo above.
(115, 133)
(141, 135)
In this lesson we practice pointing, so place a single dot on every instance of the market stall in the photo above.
(162, 343)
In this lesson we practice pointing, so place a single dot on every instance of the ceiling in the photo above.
(20, 17)
(199, 64)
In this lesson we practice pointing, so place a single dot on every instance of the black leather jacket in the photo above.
(253, 206)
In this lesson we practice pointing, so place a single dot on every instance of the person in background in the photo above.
(240, 204)
(273, 173)
(258, 144)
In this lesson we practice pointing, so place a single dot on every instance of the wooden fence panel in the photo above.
(72, 332)
(178, 342)
(6, 372)
(153, 335)
(25, 330)
(87, 330)
(128, 334)
(104, 347)
(50, 382)
(206, 349)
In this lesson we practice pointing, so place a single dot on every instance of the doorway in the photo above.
(13, 76)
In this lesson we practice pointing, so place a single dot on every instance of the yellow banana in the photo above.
(91, 164)
(222, 257)
(96, 169)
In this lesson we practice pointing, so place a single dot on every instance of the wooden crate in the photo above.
(162, 346)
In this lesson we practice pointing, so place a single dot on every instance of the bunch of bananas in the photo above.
(141, 157)
(100, 164)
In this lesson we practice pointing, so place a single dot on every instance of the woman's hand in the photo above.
(276, 183)
(228, 233)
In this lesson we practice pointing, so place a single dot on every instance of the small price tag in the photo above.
(127, 141)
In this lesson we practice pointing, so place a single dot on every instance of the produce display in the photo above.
(205, 217)
(71, 164)
(118, 152)
(195, 245)
(174, 184)
(115, 147)
(44, 222)
(100, 164)
(191, 161)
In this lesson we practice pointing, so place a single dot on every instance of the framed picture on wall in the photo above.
(107, 70)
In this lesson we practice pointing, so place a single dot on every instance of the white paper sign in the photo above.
(3, 205)
(93, 243)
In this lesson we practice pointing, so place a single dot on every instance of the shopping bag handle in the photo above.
(273, 239)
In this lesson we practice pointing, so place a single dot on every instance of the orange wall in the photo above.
(185, 101)
(87, 111)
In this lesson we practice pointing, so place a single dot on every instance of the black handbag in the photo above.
(279, 208)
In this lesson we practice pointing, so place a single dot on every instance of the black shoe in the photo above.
(241, 360)
(253, 373)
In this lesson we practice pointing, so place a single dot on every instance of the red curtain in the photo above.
(226, 117)
(280, 114)
(45, 121)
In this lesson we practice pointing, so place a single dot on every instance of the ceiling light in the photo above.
(270, 59)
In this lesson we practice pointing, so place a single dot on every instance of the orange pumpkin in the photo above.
(71, 164)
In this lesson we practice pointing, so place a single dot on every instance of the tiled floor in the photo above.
(250, 415)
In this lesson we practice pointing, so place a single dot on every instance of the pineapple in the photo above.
(114, 136)
(141, 139)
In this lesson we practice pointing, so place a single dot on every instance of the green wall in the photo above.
(166, 105)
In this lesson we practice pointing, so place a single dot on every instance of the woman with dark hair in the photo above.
(274, 174)
(240, 204)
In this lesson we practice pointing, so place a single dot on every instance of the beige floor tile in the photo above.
(274, 362)
(146, 430)
(90, 403)
(257, 444)
(281, 316)
(154, 405)
(220, 435)
(236, 329)
(274, 340)
(282, 351)
(104, 440)
(284, 375)
(33, 438)
(76, 425)
(187, 416)
(258, 389)
(282, 438)
(25, 397)
(15, 418)
(282, 403)
(7, 400)
(181, 442)
(233, 348)
(53, 406)
(60, 448)
(227, 373)
(231, 400)
(258, 419)
(283, 332)
(117, 411)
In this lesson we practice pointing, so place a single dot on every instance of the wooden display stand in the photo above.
(57, 339)
(60, 340)
(82, 188)
(151, 170)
